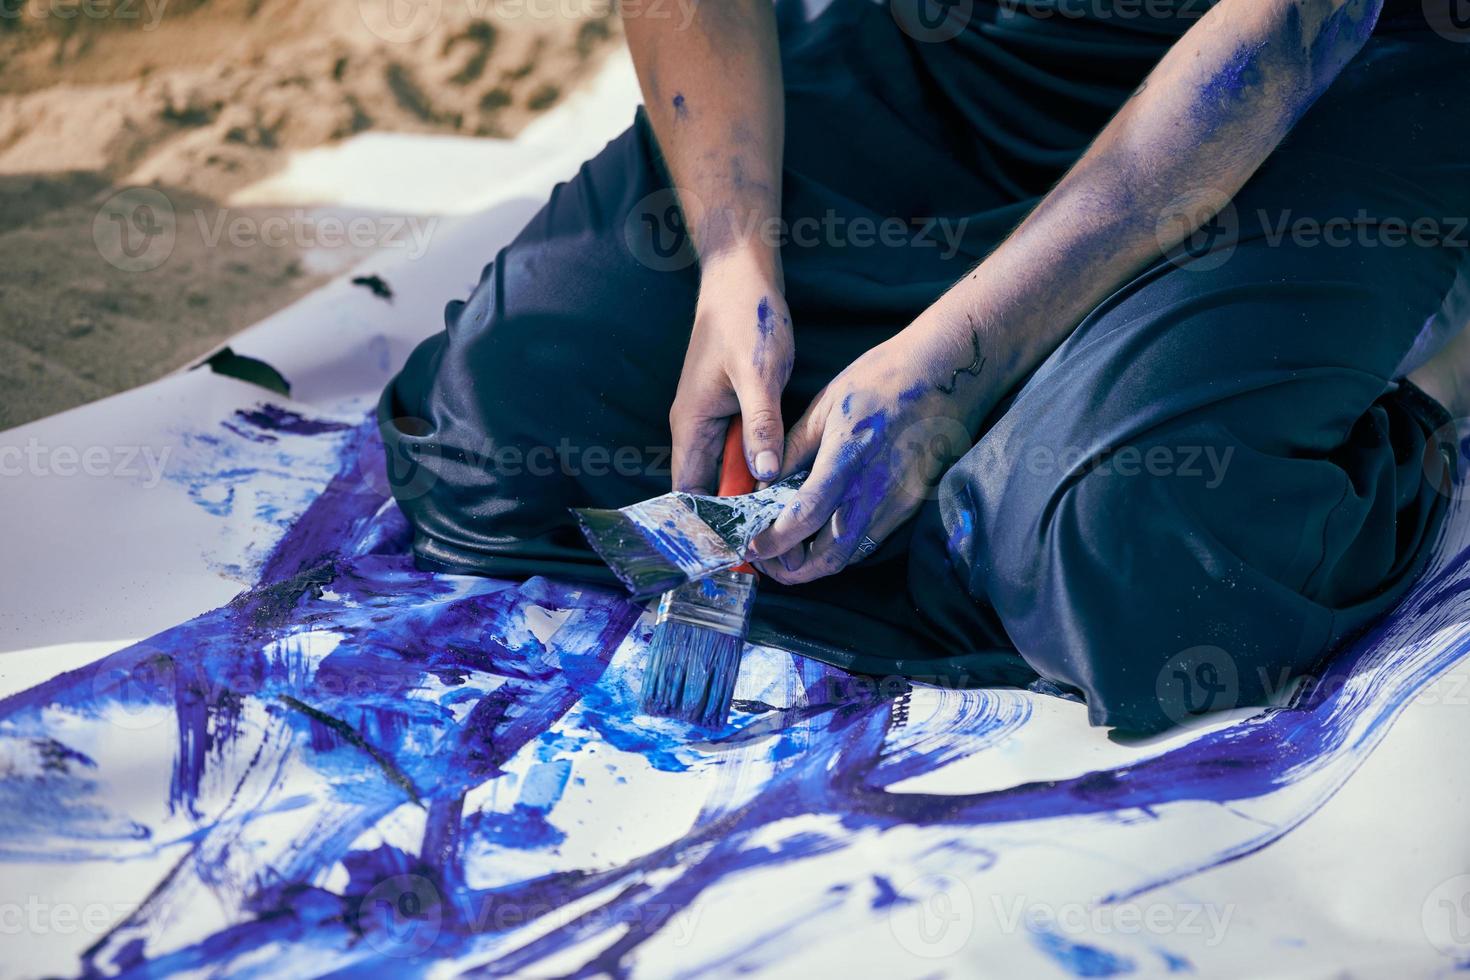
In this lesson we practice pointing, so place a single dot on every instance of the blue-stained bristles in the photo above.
(691, 673)
(697, 644)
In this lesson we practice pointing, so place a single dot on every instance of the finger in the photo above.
(836, 547)
(829, 552)
(804, 439)
(696, 451)
(779, 567)
(760, 411)
(813, 504)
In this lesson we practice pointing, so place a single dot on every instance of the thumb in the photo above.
(760, 411)
(805, 438)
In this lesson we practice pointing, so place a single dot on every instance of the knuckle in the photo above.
(764, 428)
(831, 561)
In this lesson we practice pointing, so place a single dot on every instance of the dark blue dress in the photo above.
(1215, 481)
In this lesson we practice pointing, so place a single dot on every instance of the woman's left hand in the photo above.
(876, 440)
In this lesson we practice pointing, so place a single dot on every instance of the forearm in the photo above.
(1209, 115)
(712, 88)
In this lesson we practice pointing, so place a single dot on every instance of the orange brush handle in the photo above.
(735, 475)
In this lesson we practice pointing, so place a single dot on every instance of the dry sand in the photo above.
(198, 98)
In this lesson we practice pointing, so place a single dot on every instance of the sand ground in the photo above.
(195, 100)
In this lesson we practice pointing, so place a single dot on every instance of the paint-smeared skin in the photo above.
(445, 680)
(680, 106)
(768, 321)
(1292, 68)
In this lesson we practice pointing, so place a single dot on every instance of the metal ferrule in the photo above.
(720, 602)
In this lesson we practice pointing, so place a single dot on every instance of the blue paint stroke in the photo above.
(400, 689)
(1080, 959)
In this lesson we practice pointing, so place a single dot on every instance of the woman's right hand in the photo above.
(739, 360)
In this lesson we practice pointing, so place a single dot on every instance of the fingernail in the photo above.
(790, 562)
(766, 464)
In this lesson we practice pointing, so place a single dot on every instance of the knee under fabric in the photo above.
(575, 338)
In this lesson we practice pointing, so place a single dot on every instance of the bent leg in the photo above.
(550, 386)
(1212, 483)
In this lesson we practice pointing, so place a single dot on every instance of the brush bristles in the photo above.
(691, 673)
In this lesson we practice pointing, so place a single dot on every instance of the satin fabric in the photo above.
(1278, 355)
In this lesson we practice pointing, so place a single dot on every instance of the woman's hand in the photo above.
(739, 360)
(877, 439)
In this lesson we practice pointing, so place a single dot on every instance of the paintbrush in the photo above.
(657, 545)
(699, 634)
(690, 548)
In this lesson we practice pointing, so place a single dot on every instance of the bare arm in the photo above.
(1210, 114)
(712, 87)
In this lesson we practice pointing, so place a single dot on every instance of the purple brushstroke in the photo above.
(359, 718)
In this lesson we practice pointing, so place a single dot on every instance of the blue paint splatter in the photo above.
(398, 689)
(1080, 959)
